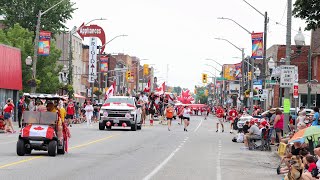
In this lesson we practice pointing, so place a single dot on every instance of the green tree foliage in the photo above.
(25, 12)
(200, 95)
(177, 89)
(308, 10)
(47, 70)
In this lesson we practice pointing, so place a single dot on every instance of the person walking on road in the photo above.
(21, 108)
(186, 117)
(89, 112)
(169, 115)
(70, 112)
(220, 115)
(232, 114)
(8, 110)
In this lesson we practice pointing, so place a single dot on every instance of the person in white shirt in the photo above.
(89, 112)
(186, 117)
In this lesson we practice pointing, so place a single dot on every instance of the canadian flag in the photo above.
(161, 89)
(147, 89)
(38, 131)
(110, 91)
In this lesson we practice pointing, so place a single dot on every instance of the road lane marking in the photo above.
(162, 164)
(198, 125)
(219, 160)
(42, 156)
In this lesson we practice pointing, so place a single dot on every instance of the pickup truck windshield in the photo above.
(120, 100)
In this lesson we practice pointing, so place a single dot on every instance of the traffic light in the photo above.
(145, 69)
(206, 92)
(204, 78)
(249, 75)
(128, 75)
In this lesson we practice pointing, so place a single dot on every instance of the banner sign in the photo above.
(296, 90)
(44, 43)
(257, 45)
(287, 77)
(92, 59)
(257, 84)
(104, 60)
(232, 72)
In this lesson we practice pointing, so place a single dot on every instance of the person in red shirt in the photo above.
(220, 114)
(70, 112)
(8, 110)
(232, 114)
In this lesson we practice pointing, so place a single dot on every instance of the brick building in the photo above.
(298, 58)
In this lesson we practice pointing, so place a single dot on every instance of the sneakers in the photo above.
(217, 130)
(222, 130)
(168, 129)
(184, 129)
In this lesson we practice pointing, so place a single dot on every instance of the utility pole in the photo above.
(252, 90)
(264, 69)
(309, 79)
(288, 57)
(70, 77)
(242, 80)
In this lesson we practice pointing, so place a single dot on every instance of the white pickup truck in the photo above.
(120, 111)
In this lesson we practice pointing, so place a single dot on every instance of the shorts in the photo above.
(95, 114)
(186, 118)
(6, 116)
(152, 111)
(181, 117)
(169, 119)
(254, 137)
(220, 120)
(69, 116)
(208, 113)
(278, 130)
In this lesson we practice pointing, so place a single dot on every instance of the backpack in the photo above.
(169, 113)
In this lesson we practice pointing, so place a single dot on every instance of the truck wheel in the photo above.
(28, 151)
(140, 126)
(52, 148)
(21, 148)
(134, 127)
(61, 151)
(102, 126)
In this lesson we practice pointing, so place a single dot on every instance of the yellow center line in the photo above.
(74, 147)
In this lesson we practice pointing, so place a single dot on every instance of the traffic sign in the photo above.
(270, 82)
(221, 79)
(287, 78)
(256, 98)
(296, 90)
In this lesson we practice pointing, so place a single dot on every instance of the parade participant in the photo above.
(220, 114)
(152, 107)
(21, 108)
(89, 112)
(179, 112)
(232, 114)
(8, 110)
(70, 112)
(186, 117)
(169, 115)
(95, 111)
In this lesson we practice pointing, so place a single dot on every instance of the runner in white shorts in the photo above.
(220, 114)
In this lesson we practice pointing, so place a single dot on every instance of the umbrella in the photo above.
(303, 133)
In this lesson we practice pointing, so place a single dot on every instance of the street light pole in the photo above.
(36, 44)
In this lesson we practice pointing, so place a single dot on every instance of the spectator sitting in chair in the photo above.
(254, 133)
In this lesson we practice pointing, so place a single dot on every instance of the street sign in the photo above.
(286, 105)
(221, 79)
(251, 94)
(256, 98)
(296, 75)
(270, 82)
(92, 60)
(296, 90)
(264, 94)
(287, 78)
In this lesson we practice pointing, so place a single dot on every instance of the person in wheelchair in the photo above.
(254, 133)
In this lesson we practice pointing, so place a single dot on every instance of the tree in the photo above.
(177, 89)
(309, 11)
(200, 96)
(47, 69)
(25, 13)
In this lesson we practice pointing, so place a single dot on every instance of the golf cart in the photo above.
(40, 129)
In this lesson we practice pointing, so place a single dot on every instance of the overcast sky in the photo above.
(181, 32)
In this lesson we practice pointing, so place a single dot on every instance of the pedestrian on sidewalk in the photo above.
(169, 115)
(89, 113)
(220, 115)
(186, 117)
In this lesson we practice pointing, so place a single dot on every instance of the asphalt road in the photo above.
(152, 153)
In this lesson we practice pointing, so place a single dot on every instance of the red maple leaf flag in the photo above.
(185, 97)
(111, 90)
(147, 89)
(39, 128)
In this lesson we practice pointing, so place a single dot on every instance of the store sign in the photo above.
(92, 60)
(287, 78)
(93, 31)
(296, 91)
